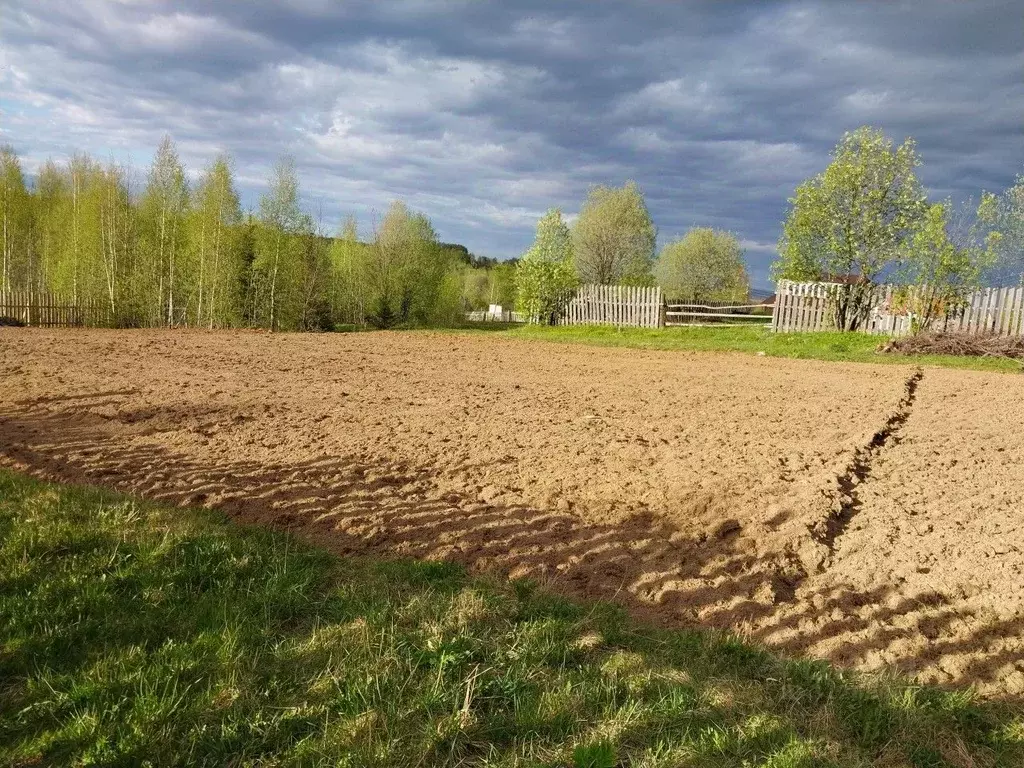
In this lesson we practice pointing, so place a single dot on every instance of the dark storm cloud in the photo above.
(485, 114)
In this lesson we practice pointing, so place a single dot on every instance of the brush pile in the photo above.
(963, 344)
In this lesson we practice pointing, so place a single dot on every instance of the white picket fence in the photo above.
(618, 305)
(805, 307)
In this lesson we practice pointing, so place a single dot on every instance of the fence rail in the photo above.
(717, 312)
(807, 307)
(49, 310)
(618, 305)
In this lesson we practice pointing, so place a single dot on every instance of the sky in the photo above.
(483, 115)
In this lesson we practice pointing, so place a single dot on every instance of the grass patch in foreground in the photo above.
(825, 345)
(135, 634)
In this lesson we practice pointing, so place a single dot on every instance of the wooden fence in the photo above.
(991, 310)
(806, 307)
(505, 316)
(801, 307)
(48, 310)
(618, 305)
(717, 313)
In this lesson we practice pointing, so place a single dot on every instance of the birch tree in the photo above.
(77, 265)
(14, 221)
(162, 213)
(109, 188)
(51, 220)
(214, 237)
(350, 275)
(276, 265)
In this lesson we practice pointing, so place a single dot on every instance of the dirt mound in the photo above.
(722, 490)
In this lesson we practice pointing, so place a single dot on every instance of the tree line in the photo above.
(612, 242)
(171, 252)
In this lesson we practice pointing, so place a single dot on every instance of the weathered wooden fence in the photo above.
(716, 313)
(619, 305)
(806, 307)
(505, 316)
(49, 310)
(801, 307)
(991, 310)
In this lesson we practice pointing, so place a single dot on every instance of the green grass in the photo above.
(134, 634)
(850, 347)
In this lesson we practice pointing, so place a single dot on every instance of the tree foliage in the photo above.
(410, 277)
(547, 272)
(277, 264)
(854, 219)
(941, 271)
(1004, 214)
(214, 232)
(490, 284)
(703, 265)
(613, 237)
(162, 215)
(169, 254)
(350, 268)
(14, 220)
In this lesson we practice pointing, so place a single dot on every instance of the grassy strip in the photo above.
(848, 347)
(136, 634)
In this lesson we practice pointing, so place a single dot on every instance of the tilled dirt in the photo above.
(871, 515)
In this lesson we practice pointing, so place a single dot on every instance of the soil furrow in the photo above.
(860, 468)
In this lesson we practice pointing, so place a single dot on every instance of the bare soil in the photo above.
(870, 515)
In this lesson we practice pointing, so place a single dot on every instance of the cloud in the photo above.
(483, 115)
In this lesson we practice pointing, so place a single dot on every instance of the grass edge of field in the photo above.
(831, 346)
(130, 629)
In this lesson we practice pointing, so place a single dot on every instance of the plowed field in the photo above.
(871, 515)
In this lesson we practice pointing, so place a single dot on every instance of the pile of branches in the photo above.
(964, 344)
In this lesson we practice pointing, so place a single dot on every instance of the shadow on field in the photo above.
(347, 504)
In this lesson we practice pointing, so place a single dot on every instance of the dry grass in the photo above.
(958, 344)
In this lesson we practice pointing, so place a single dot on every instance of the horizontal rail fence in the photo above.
(806, 307)
(618, 305)
(717, 312)
(43, 309)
